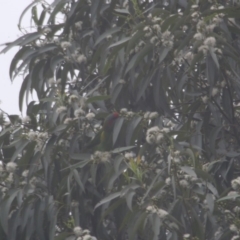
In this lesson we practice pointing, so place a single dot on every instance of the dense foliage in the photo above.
(165, 163)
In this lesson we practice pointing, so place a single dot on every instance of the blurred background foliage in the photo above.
(135, 130)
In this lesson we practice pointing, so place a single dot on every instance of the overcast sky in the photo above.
(10, 12)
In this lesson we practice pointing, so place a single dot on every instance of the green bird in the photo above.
(103, 139)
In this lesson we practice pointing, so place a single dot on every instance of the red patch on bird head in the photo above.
(115, 115)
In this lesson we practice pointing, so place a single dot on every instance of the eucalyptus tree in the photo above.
(166, 73)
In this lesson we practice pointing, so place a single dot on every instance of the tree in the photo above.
(171, 71)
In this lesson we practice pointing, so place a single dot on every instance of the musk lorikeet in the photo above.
(103, 139)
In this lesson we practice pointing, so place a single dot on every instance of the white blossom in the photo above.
(87, 237)
(151, 209)
(101, 156)
(141, 43)
(236, 183)
(183, 183)
(156, 19)
(86, 231)
(165, 130)
(189, 56)
(82, 102)
(77, 231)
(203, 49)
(81, 59)
(205, 99)
(154, 40)
(236, 237)
(217, 20)
(32, 136)
(201, 25)
(168, 44)
(51, 81)
(214, 91)
(162, 213)
(176, 160)
(166, 36)
(146, 115)
(10, 177)
(78, 25)
(46, 30)
(79, 112)
(25, 173)
(148, 31)
(129, 155)
(122, 81)
(210, 41)
(195, 16)
(43, 135)
(65, 44)
(168, 181)
(123, 111)
(109, 37)
(218, 51)
(11, 167)
(97, 127)
(61, 109)
(236, 209)
(130, 114)
(154, 135)
(194, 6)
(157, 28)
(90, 116)
(210, 28)
(72, 99)
(233, 228)
(186, 235)
(185, 28)
(26, 119)
(153, 115)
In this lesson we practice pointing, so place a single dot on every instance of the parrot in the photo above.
(103, 139)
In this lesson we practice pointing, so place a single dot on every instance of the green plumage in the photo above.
(103, 139)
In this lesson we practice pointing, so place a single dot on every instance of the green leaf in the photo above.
(131, 127)
(122, 149)
(62, 236)
(231, 197)
(124, 11)
(97, 98)
(19, 148)
(124, 40)
(213, 136)
(108, 199)
(189, 171)
(80, 156)
(78, 180)
(214, 56)
(5, 208)
(138, 57)
(145, 84)
(129, 197)
(35, 15)
(24, 12)
(163, 53)
(58, 6)
(107, 33)
(22, 54)
(117, 128)
(210, 202)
